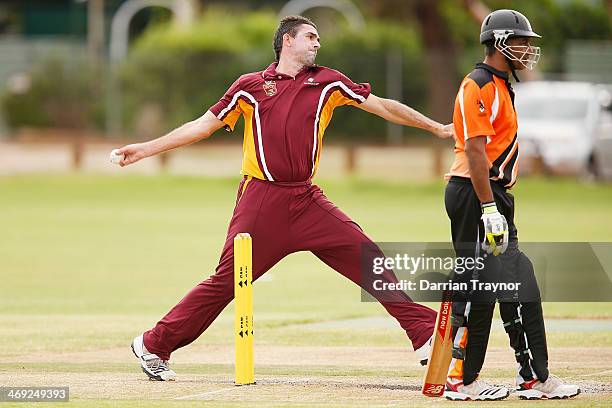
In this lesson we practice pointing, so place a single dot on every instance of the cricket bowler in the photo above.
(481, 211)
(286, 109)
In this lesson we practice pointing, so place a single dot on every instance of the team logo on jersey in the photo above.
(269, 88)
(311, 81)
(481, 107)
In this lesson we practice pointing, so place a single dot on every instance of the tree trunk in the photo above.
(440, 56)
(442, 78)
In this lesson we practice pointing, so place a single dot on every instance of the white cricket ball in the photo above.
(115, 157)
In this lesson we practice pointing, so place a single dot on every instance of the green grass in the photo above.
(88, 244)
(77, 248)
(87, 262)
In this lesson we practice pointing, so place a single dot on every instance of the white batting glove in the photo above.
(496, 229)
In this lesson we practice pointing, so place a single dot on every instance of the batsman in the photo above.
(286, 109)
(481, 211)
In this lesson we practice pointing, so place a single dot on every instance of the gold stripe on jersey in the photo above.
(250, 165)
(231, 118)
(336, 99)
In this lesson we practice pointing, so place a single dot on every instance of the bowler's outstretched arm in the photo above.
(189, 133)
(398, 113)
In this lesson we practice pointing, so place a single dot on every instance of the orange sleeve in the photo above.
(476, 108)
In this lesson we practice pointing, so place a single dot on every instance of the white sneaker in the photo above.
(552, 388)
(422, 353)
(153, 366)
(476, 391)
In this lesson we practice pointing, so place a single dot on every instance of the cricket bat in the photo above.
(441, 351)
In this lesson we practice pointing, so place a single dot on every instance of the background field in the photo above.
(88, 262)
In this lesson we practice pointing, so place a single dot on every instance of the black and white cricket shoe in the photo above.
(153, 366)
(552, 388)
(476, 391)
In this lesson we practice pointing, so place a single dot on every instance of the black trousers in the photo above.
(473, 309)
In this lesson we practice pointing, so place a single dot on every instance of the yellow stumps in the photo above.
(243, 298)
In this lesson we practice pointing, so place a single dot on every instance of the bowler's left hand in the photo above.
(446, 131)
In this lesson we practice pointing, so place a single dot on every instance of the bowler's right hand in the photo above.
(132, 153)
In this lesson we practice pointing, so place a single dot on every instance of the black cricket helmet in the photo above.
(503, 24)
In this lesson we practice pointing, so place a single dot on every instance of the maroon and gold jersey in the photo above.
(485, 107)
(285, 118)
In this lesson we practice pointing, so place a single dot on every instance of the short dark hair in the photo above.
(288, 25)
(489, 48)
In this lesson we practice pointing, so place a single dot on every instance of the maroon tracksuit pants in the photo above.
(282, 218)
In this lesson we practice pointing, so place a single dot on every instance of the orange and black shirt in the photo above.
(285, 118)
(485, 107)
